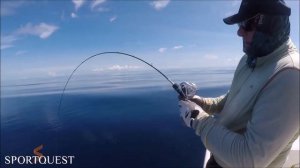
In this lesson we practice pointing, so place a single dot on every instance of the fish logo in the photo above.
(37, 150)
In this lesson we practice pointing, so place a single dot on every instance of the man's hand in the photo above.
(190, 111)
(198, 100)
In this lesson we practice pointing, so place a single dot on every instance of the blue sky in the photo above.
(49, 38)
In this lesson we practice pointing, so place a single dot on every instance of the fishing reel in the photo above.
(186, 90)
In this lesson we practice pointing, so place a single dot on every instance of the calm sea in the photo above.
(113, 119)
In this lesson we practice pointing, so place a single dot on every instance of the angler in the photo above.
(257, 121)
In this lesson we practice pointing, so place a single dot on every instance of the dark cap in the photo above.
(250, 8)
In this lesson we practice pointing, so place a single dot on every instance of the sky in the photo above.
(51, 37)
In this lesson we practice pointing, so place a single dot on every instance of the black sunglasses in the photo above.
(250, 24)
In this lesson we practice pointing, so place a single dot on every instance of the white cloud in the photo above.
(52, 73)
(97, 3)
(42, 30)
(10, 7)
(178, 47)
(116, 68)
(219, 60)
(78, 3)
(210, 57)
(124, 67)
(160, 4)
(112, 19)
(5, 46)
(161, 50)
(73, 15)
(7, 41)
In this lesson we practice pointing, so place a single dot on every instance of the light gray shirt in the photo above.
(256, 122)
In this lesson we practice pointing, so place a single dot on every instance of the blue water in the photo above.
(127, 120)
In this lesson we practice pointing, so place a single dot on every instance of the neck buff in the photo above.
(271, 32)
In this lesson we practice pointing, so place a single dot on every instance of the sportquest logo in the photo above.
(39, 158)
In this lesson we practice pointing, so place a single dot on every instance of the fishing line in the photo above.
(174, 85)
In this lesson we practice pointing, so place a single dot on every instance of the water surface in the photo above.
(119, 120)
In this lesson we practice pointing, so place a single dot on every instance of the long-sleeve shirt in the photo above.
(256, 122)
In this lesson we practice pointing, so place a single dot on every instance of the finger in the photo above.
(186, 114)
(180, 103)
(191, 122)
(183, 103)
(181, 97)
(199, 102)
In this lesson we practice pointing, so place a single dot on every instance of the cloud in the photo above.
(52, 74)
(160, 4)
(112, 19)
(20, 53)
(96, 3)
(218, 59)
(42, 30)
(210, 57)
(161, 50)
(10, 7)
(5, 46)
(73, 15)
(116, 68)
(7, 41)
(124, 67)
(78, 3)
(177, 47)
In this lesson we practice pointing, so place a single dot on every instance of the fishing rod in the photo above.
(180, 89)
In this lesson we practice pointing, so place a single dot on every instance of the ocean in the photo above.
(112, 119)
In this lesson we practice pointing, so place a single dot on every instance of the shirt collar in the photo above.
(279, 52)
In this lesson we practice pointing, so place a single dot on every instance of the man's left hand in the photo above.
(190, 111)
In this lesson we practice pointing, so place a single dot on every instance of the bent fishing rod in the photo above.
(176, 87)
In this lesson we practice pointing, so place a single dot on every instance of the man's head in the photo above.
(263, 25)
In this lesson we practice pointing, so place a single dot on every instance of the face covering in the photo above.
(271, 32)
